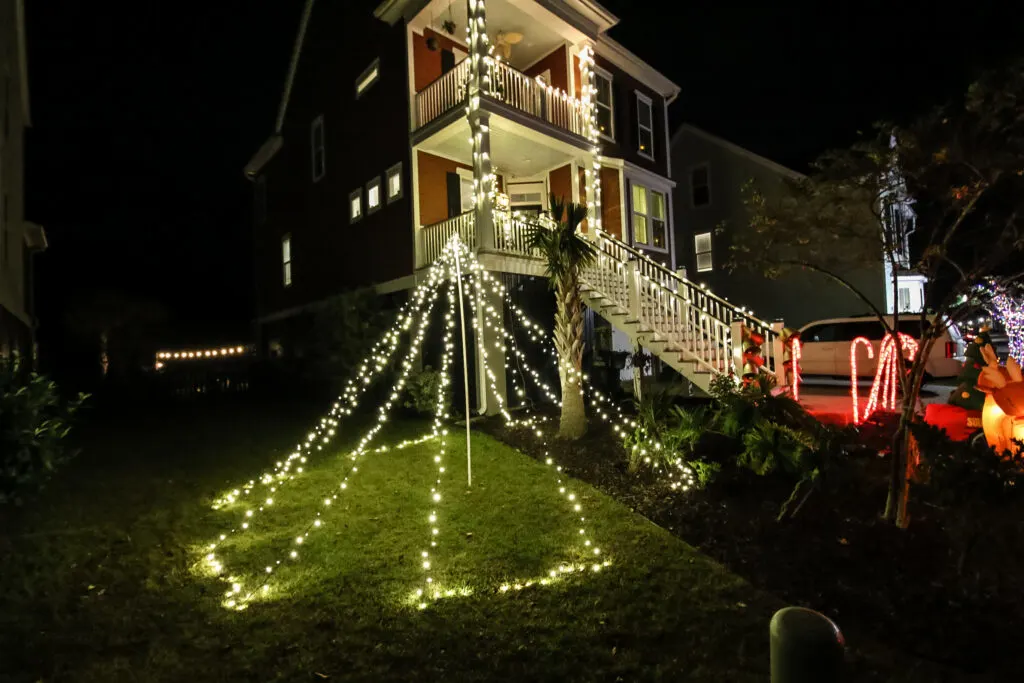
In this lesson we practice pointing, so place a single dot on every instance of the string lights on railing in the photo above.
(200, 354)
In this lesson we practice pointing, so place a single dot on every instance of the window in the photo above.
(466, 191)
(700, 186)
(373, 195)
(394, 176)
(286, 259)
(702, 247)
(260, 200)
(650, 217)
(355, 204)
(904, 295)
(603, 101)
(819, 333)
(367, 78)
(316, 141)
(644, 126)
(640, 214)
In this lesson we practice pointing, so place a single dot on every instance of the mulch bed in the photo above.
(897, 587)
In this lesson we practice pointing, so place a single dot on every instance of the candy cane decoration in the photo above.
(794, 356)
(886, 375)
(853, 373)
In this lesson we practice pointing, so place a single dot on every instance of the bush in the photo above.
(34, 422)
(421, 392)
(971, 479)
(760, 431)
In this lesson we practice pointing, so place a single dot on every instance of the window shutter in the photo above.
(454, 195)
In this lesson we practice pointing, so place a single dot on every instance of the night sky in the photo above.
(143, 119)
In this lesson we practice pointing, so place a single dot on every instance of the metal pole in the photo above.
(465, 362)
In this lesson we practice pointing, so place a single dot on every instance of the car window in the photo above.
(913, 327)
(819, 333)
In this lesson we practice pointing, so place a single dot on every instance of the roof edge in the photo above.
(616, 53)
(733, 147)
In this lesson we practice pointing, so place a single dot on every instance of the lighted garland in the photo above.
(371, 366)
(234, 598)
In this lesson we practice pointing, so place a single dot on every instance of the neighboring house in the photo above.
(711, 173)
(372, 164)
(19, 239)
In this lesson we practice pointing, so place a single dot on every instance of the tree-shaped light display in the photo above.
(463, 285)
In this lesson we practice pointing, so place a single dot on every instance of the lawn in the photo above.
(103, 578)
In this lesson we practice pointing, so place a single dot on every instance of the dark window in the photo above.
(819, 333)
(700, 186)
(603, 103)
(645, 126)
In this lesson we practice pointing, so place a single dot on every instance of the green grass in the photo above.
(101, 580)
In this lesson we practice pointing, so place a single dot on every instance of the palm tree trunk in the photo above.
(569, 344)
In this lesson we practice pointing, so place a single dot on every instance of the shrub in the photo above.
(421, 392)
(34, 423)
(971, 479)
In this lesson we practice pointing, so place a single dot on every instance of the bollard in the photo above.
(806, 647)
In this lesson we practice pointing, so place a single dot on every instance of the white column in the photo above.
(480, 68)
(592, 167)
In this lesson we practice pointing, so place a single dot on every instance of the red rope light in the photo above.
(886, 375)
(794, 356)
(853, 373)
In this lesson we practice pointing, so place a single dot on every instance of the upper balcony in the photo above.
(534, 83)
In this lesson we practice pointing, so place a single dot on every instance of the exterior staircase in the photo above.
(690, 329)
(693, 331)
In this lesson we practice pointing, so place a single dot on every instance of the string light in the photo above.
(887, 373)
(853, 373)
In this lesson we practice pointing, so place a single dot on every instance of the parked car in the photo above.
(825, 346)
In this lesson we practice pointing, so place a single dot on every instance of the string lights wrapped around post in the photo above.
(592, 172)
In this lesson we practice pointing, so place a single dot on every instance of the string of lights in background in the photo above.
(1009, 310)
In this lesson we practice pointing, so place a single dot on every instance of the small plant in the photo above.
(421, 392)
(34, 423)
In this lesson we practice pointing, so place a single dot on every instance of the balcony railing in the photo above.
(433, 238)
(511, 235)
(526, 93)
(443, 94)
(512, 87)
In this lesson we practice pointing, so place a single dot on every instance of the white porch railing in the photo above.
(512, 87)
(526, 93)
(512, 235)
(687, 317)
(433, 238)
(443, 94)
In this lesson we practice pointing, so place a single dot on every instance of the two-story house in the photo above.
(19, 239)
(402, 126)
(709, 200)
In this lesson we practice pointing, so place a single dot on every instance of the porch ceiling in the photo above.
(542, 31)
(516, 151)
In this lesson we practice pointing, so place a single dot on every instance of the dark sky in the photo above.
(143, 119)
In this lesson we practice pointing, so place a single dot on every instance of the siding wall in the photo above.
(363, 138)
(433, 181)
(797, 298)
(556, 62)
(427, 62)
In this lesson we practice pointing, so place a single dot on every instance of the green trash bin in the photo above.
(806, 647)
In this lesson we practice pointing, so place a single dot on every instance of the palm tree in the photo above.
(567, 253)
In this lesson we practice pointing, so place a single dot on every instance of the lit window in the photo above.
(604, 101)
(367, 78)
(318, 153)
(702, 246)
(394, 176)
(286, 259)
(650, 217)
(645, 126)
(700, 186)
(640, 214)
(373, 195)
(260, 200)
(355, 203)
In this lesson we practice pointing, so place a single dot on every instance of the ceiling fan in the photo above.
(505, 40)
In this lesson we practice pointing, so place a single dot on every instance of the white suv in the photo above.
(825, 346)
